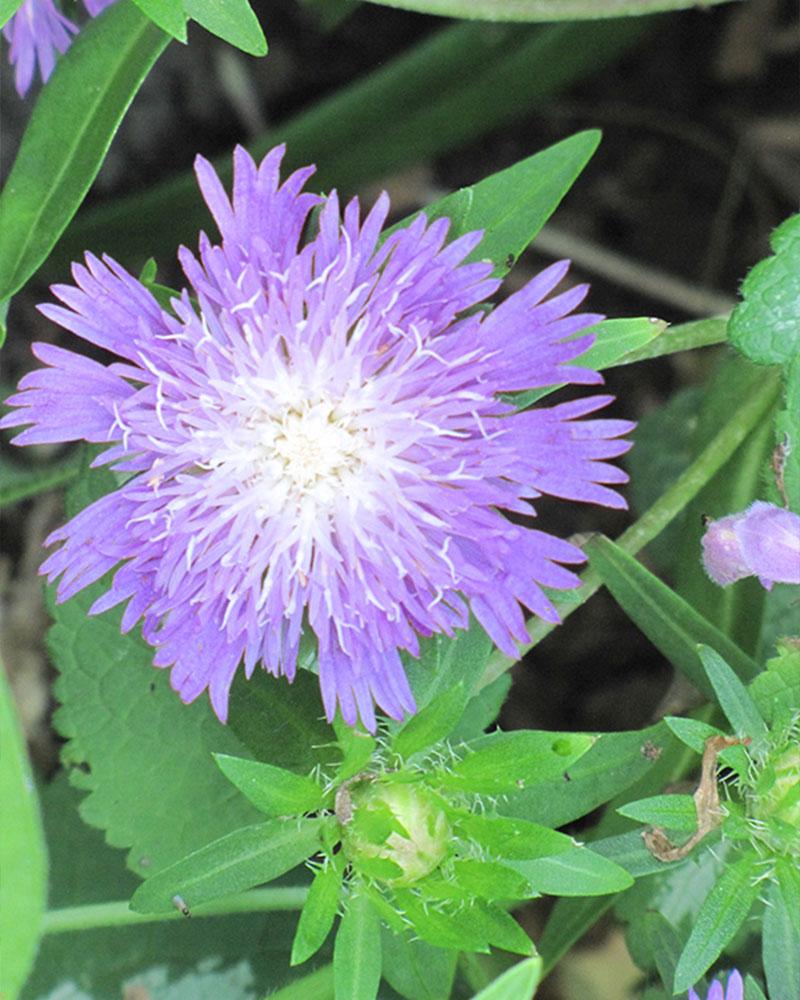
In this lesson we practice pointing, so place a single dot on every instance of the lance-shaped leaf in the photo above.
(69, 134)
(723, 912)
(514, 838)
(489, 880)
(780, 947)
(415, 969)
(273, 790)
(433, 723)
(664, 944)
(8, 9)
(357, 748)
(231, 20)
(520, 980)
(319, 912)
(507, 762)
(539, 10)
(674, 812)
(501, 929)
(671, 624)
(357, 952)
(169, 15)
(243, 859)
(732, 695)
(576, 872)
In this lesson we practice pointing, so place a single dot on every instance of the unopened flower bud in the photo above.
(762, 541)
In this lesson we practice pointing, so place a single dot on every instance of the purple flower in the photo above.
(316, 441)
(762, 541)
(733, 991)
(36, 32)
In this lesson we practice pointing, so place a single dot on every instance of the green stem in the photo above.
(684, 337)
(713, 457)
(118, 914)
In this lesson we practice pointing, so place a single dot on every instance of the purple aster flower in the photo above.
(762, 541)
(733, 991)
(316, 440)
(36, 32)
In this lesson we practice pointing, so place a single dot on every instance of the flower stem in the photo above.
(118, 914)
(711, 459)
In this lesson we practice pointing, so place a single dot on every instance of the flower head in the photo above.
(762, 541)
(316, 441)
(733, 991)
(36, 33)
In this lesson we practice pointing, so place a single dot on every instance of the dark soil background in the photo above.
(699, 162)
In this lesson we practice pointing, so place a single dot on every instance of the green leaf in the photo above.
(319, 912)
(683, 337)
(732, 695)
(132, 742)
(514, 838)
(489, 880)
(18, 482)
(674, 812)
(272, 790)
(780, 943)
(538, 10)
(69, 134)
(231, 20)
(615, 339)
(614, 763)
(692, 732)
(317, 984)
(357, 952)
(673, 626)
(357, 748)
(519, 981)
(788, 878)
(444, 662)
(501, 929)
(664, 945)
(506, 762)
(459, 930)
(8, 9)
(23, 855)
(723, 912)
(765, 326)
(787, 435)
(245, 858)
(752, 991)
(433, 723)
(628, 850)
(167, 14)
(576, 872)
(512, 205)
(416, 970)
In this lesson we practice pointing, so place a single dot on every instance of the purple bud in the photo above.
(762, 541)
(734, 990)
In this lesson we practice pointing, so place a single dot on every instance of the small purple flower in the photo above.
(36, 32)
(733, 991)
(316, 440)
(762, 541)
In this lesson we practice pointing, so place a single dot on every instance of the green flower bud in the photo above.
(775, 800)
(397, 833)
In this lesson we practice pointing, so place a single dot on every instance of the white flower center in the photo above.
(313, 448)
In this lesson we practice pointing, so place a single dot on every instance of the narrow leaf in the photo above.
(501, 929)
(664, 944)
(273, 790)
(167, 14)
(231, 20)
(243, 859)
(436, 721)
(318, 913)
(20, 482)
(69, 134)
(674, 812)
(723, 912)
(519, 981)
(8, 9)
(415, 969)
(23, 855)
(780, 948)
(539, 10)
(732, 695)
(357, 748)
(514, 838)
(357, 952)
(666, 619)
(692, 732)
(576, 872)
(489, 880)
(506, 762)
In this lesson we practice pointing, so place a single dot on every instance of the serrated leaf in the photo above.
(167, 14)
(245, 858)
(433, 723)
(614, 339)
(415, 969)
(23, 854)
(765, 326)
(506, 762)
(780, 944)
(132, 742)
(778, 687)
(69, 133)
(674, 812)
(732, 695)
(671, 624)
(514, 838)
(519, 981)
(231, 20)
(787, 435)
(576, 872)
(612, 764)
(318, 913)
(272, 790)
(723, 912)
(357, 952)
